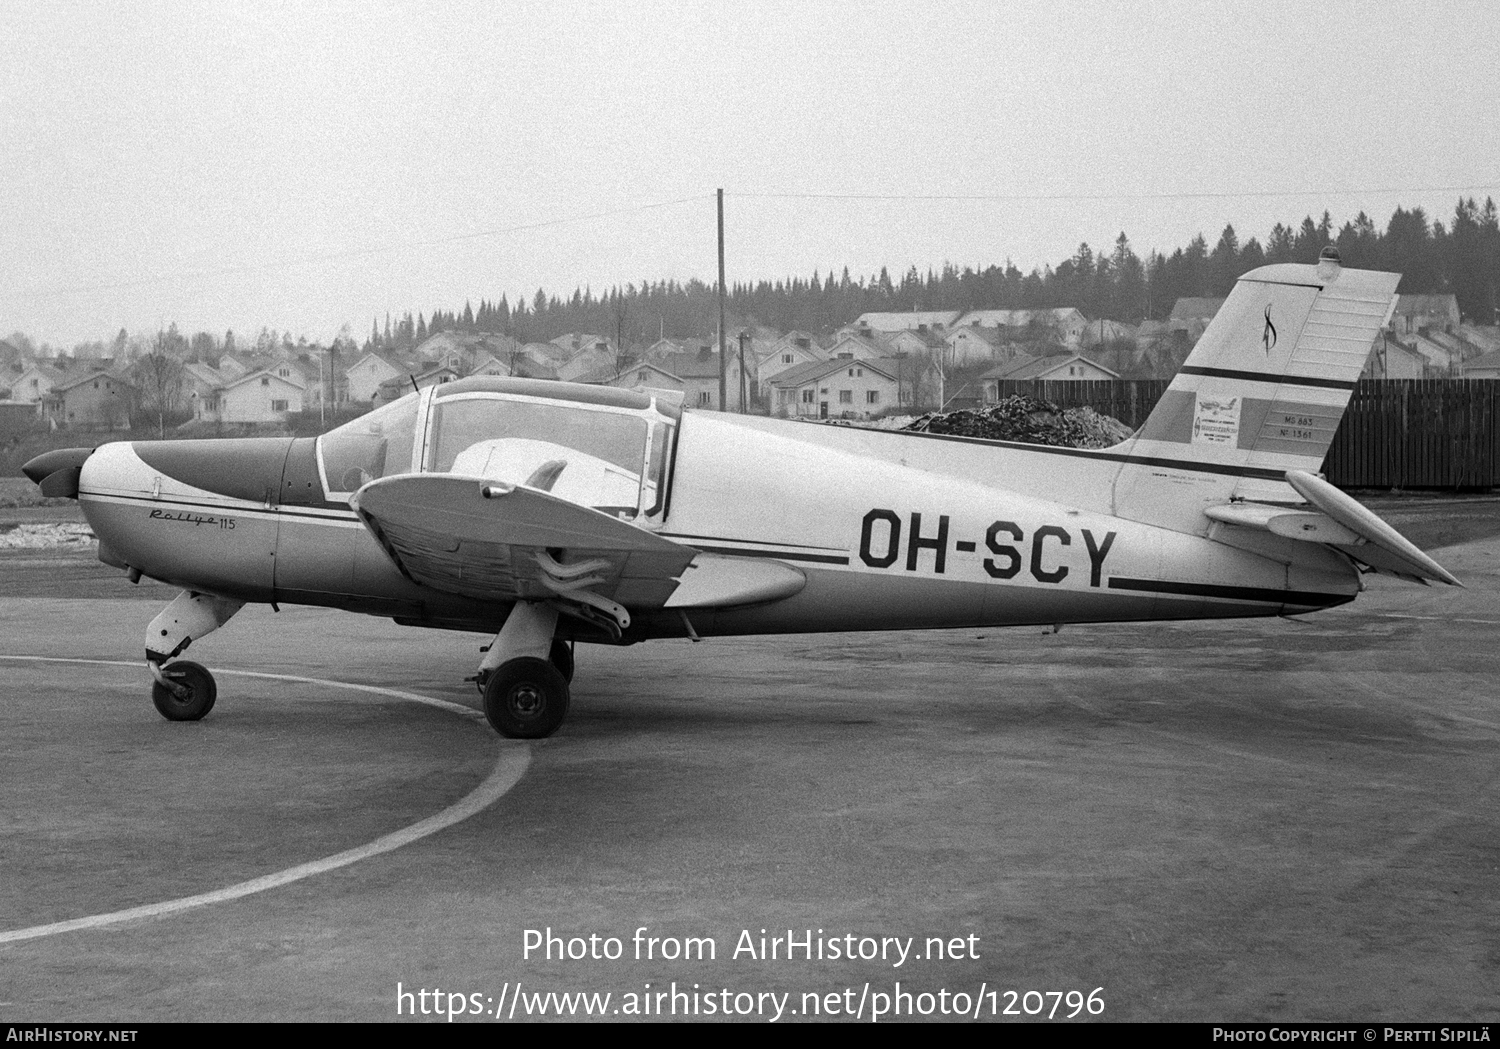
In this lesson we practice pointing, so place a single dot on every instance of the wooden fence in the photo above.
(1396, 433)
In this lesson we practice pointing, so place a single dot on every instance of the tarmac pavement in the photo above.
(1242, 820)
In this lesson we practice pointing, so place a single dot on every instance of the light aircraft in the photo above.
(548, 513)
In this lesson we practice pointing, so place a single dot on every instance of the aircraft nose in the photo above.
(56, 472)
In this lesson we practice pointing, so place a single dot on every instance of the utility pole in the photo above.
(743, 336)
(723, 370)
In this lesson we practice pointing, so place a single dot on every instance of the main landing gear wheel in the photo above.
(187, 695)
(526, 698)
(561, 657)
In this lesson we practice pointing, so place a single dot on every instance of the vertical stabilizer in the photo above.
(1262, 393)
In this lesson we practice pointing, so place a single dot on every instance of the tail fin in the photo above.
(1262, 393)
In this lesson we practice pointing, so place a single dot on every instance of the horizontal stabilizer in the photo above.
(1279, 520)
(1377, 544)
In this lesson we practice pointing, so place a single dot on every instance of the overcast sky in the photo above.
(306, 165)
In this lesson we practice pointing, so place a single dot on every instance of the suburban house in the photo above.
(1486, 367)
(643, 375)
(793, 349)
(913, 343)
(200, 389)
(592, 354)
(1064, 324)
(366, 375)
(974, 342)
(840, 388)
(491, 365)
(858, 347)
(34, 384)
(234, 365)
(1191, 315)
(1391, 360)
(937, 321)
(1414, 313)
(1102, 332)
(1063, 366)
(699, 373)
(95, 399)
(260, 397)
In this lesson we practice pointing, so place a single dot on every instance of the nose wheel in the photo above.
(183, 691)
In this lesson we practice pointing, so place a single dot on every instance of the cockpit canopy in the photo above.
(593, 445)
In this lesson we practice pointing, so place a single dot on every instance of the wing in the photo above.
(493, 541)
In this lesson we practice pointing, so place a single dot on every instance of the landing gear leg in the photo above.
(561, 656)
(525, 695)
(184, 691)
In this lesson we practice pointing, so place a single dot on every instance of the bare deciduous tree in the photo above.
(158, 374)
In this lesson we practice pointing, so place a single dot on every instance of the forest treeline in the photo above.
(1461, 256)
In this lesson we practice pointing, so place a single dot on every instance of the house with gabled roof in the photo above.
(264, 396)
(35, 382)
(661, 348)
(842, 388)
(200, 389)
(435, 375)
(1191, 315)
(699, 373)
(1413, 313)
(234, 365)
(1485, 367)
(860, 347)
(365, 376)
(642, 375)
(490, 365)
(92, 399)
(791, 350)
(917, 320)
(975, 342)
(590, 356)
(1104, 331)
(1072, 367)
(1391, 360)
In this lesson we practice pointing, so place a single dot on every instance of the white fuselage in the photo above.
(891, 530)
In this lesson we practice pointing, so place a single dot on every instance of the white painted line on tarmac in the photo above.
(1438, 619)
(511, 766)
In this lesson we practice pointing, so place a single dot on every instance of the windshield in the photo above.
(375, 445)
(591, 455)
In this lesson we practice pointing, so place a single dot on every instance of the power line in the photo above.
(1023, 197)
(359, 253)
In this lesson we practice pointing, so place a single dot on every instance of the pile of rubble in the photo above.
(1028, 420)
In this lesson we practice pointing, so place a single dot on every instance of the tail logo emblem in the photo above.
(1268, 337)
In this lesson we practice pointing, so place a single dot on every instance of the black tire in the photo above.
(561, 657)
(526, 698)
(202, 691)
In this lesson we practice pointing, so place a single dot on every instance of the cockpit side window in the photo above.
(375, 445)
(593, 456)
